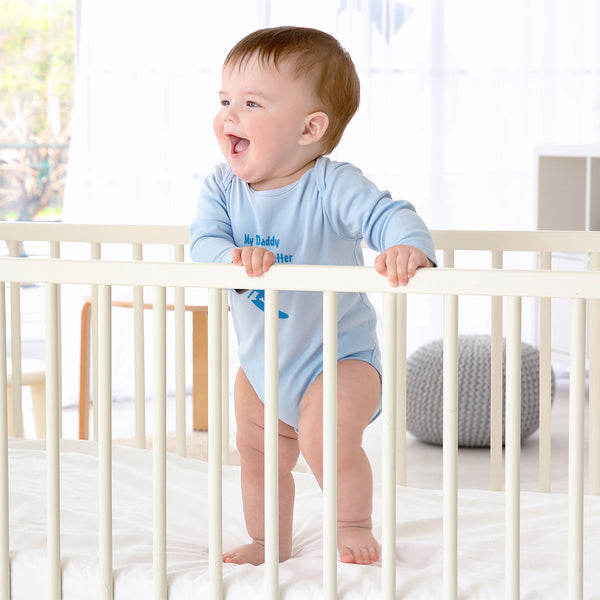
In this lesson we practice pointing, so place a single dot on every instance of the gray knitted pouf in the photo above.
(424, 391)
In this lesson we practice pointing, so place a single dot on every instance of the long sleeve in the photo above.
(357, 208)
(211, 233)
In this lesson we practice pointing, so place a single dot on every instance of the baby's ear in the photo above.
(314, 128)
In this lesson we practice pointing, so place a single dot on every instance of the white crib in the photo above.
(61, 539)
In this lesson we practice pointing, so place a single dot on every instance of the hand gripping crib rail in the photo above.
(450, 283)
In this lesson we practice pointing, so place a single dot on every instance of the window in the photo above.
(37, 82)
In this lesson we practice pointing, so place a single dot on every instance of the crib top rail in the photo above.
(478, 282)
(517, 241)
(94, 233)
(526, 241)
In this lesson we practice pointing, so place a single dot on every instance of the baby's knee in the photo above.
(289, 451)
(311, 446)
(249, 442)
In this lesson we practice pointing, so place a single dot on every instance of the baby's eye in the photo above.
(251, 104)
(224, 102)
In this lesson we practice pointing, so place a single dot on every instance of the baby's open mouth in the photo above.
(238, 145)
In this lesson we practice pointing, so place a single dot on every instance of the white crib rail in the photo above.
(513, 447)
(543, 243)
(388, 526)
(594, 385)
(215, 463)
(451, 283)
(98, 237)
(329, 444)
(576, 415)
(450, 445)
(4, 472)
(105, 550)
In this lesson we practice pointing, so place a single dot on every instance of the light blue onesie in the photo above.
(319, 219)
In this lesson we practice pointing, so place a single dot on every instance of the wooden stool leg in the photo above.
(84, 373)
(38, 399)
(200, 370)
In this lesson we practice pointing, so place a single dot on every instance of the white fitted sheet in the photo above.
(419, 533)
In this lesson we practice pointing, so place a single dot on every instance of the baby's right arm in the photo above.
(211, 233)
(254, 259)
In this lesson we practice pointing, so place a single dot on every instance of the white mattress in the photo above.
(419, 534)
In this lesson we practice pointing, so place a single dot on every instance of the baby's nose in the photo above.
(229, 114)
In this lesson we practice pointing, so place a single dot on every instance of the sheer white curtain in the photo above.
(456, 95)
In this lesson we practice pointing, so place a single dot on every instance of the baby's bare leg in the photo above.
(358, 395)
(249, 411)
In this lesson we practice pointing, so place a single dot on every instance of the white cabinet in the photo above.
(568, 198)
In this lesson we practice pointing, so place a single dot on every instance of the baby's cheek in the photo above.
(217, 123)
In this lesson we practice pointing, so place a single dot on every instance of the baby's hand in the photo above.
(255, 260)
(400, 263)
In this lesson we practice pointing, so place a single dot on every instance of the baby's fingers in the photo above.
(393, 265)
(254, 260)
(261, 262)
(400, 263)
(236, 256)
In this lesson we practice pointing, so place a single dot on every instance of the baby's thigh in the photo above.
(359, 390)
(249, 416)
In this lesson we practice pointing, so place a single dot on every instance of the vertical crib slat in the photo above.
(55, 253)
(448, 259)
(15, 341)
(180, 427)
(225, 375)
(4, 479)
(159, 442)
(329, 444)
(52, 443)
(594, 387)
(95, 254)
(576, 444)
(215, 459)
(496, 385)
(104, 437)
(450, 446)
(388, 413)
(513, 448)
(271, 445)
(138, 353)
(545, 325)
(401, 375)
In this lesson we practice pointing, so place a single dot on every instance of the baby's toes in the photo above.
(347, 555)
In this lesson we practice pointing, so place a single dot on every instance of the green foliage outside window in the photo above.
(37, 54)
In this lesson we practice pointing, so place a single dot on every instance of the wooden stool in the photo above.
(33, 374)
(199, 364)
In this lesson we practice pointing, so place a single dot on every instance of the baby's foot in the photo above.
(356, 543)
(253, 554)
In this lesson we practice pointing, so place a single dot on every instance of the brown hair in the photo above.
(314, 54)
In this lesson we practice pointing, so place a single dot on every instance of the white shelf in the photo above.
(573, 150)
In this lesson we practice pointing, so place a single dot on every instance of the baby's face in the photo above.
(263, 115)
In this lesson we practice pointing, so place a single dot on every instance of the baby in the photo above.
(287, 95)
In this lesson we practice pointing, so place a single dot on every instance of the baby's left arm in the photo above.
(400, 263)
